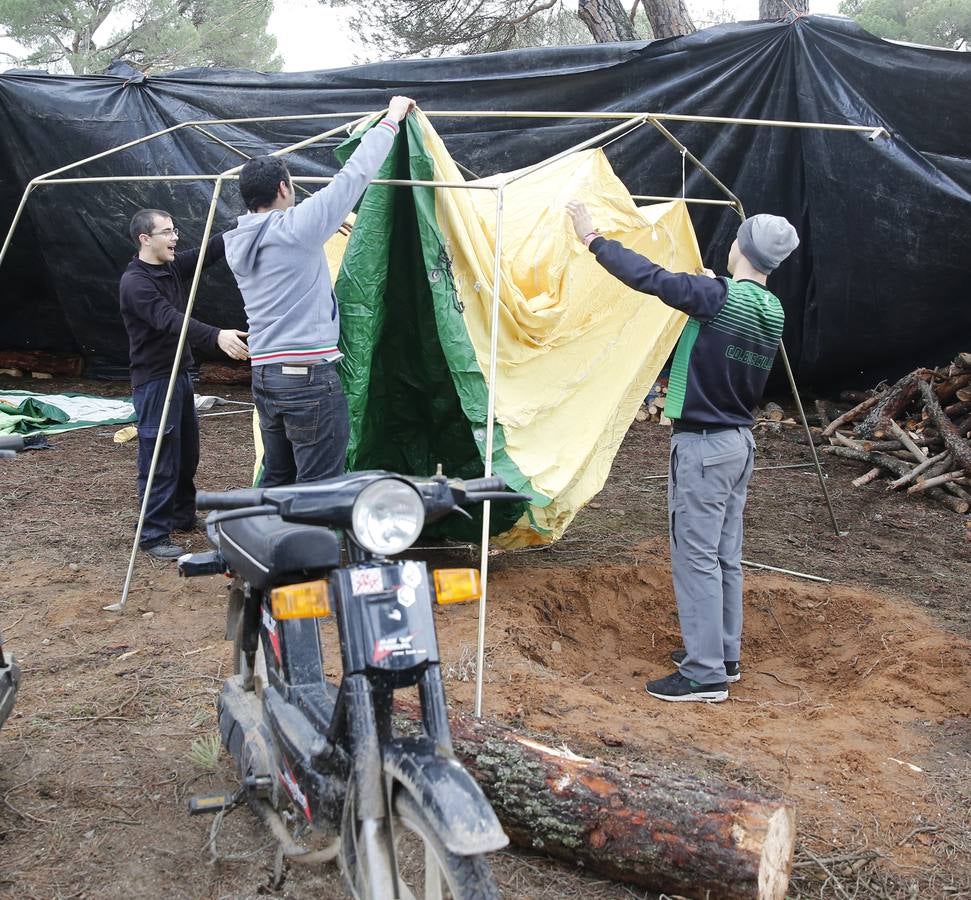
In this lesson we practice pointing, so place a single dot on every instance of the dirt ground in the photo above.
(854, 700)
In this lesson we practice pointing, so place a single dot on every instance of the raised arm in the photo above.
(701, 296)
(318, 217)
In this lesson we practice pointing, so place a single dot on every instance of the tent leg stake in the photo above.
(490, 434)
(809, 436)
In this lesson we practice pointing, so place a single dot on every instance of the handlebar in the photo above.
(491, 484)
(229, 499)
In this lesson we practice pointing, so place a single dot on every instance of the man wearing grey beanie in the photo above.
(720, 369)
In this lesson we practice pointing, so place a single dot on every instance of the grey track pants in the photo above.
(708, 478)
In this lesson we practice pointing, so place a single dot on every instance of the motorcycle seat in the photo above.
(265, 550)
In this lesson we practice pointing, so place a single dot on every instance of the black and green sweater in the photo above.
(723, 358)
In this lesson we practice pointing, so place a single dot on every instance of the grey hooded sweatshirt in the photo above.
(280, 267)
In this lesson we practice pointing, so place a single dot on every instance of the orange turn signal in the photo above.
(456, 585)
(309, 600)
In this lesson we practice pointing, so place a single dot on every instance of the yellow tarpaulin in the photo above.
(577, 350)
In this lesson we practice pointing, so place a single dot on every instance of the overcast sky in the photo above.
(310, 36)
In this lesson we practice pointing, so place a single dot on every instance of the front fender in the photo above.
(454, 803)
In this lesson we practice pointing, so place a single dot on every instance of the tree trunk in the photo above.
(773, 10)
(647, 824)
(606, 20)
(668, 18)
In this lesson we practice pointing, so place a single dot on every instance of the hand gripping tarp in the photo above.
(577, 350)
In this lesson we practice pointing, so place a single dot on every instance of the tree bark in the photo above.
(646, 824)
(849, 415)
(948, 430)
(668, 18)
(772, 10)
(893, 402)
(899, 468)
(38, 361)
(606, 20)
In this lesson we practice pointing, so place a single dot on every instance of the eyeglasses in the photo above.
(166, 232)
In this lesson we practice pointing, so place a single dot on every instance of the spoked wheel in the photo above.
(426, 869)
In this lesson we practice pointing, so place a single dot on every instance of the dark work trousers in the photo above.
(303, 421)
(707, 484)
(172, 503)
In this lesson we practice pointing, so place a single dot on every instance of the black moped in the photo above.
(9, 670)
(410, 821)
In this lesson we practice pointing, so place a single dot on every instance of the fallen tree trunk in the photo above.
(646, 824)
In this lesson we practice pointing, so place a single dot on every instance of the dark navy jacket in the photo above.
(726, 350)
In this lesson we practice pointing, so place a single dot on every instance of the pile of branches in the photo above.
(915, 431)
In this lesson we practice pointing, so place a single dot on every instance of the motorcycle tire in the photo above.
(426, 867)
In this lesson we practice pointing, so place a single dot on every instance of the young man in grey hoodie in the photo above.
(276, 254)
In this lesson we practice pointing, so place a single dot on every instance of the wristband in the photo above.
(589, 237)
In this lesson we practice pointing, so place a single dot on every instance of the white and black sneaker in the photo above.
(678, 688)
(733, 671)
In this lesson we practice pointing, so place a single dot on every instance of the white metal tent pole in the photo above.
(16, 219)
(490, 434)
(197, 275)
(173, 376)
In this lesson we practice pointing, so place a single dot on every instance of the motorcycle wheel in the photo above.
(427, 870)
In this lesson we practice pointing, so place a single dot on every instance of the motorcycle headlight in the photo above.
(387, 516)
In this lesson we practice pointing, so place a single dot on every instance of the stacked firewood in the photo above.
(652, 409)
(916, 432)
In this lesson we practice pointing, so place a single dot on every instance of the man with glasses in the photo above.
(153, 301)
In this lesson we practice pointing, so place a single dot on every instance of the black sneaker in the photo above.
(165, 550)
(733, 671)
(678, 688)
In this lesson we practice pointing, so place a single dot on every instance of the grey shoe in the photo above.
(733, 671)
(165, 550)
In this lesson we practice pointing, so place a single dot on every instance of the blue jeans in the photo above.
(707, 484)
(303, 420)
(172, 502)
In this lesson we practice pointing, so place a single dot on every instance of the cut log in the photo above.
(892, 403)
(963, 360)
(220, 373)
(850, 415)
(646, 824)
(923, 485)
(951, 386)
(38, 361)
(867, 477)
(899, 468)
(953, 440)
(920, 469)
(906, 440)
(957, 410)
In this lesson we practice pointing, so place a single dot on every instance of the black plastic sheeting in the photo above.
(878, 286)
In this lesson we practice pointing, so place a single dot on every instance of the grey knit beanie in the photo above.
(765, 241)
